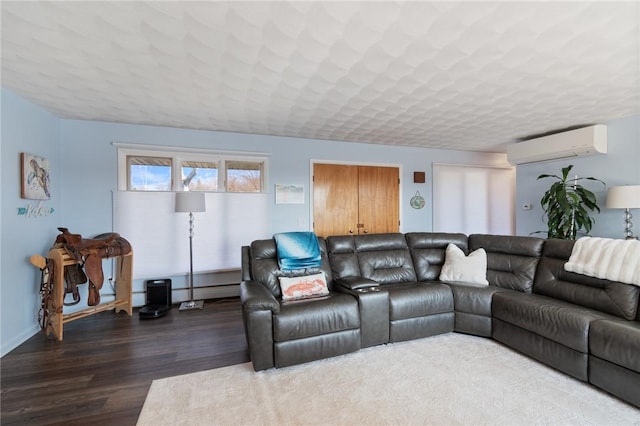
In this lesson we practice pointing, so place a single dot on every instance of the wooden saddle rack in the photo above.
(74, 260)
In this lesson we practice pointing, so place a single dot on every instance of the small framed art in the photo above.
(35, 183)
(289, 194)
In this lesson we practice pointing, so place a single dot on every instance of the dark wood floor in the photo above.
(101, 372)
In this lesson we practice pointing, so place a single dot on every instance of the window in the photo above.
(148, 173)
(244, 176)
(473, 199)
(160, 236)
(199, 176)
(237, 207)
(163, 169)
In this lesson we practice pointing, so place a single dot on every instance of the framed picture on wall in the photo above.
(35, 184)
(289, 194)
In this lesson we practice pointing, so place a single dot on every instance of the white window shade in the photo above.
(160, 236)
(473, 199)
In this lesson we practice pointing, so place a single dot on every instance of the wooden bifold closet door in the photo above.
(355, 199)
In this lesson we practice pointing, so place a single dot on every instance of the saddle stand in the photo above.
(73, 260)
(89, 253)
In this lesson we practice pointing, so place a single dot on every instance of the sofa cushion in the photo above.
(473, 298)
(418, 299)
(470, 269)
(384, 258)
(388, 266)
(265, 269)
(311, 317)
(342, 256)
(617, 342)
(264, 265)
(376, 242)
(607, 296)
(555, 320)
(511, 260)
(428, 251)
(298, 351)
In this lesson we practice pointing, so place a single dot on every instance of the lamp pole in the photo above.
(191, 259)
(190, 202)
(628, 233)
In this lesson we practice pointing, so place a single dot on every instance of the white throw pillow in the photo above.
(464, 269)
(304, 286)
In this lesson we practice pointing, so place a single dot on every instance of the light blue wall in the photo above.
(84, 172)
(89, 163)
(620, 166)
(25, 128)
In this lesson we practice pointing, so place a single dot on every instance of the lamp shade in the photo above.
(623, 197)
(190, 202)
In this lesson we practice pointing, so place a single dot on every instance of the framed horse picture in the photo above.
(35, 177)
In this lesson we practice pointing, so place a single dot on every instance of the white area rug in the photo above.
(451, 379)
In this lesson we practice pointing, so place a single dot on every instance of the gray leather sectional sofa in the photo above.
(385, 288)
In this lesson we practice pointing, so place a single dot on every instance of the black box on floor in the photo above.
(158, 298)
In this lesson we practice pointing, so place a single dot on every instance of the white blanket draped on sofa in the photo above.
(606, 258)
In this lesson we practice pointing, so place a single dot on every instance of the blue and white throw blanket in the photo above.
(297, 250)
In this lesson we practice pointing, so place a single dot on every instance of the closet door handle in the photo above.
(366, 231)
(351, 231)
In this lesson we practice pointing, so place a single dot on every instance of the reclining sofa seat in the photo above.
(566, 321)
(382, 263)
(614, 361)
(282, 333)
(586, 327)
(511, 266)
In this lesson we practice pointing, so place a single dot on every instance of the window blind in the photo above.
(473, 199)
(160, 237)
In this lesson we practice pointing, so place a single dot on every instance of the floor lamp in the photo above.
(191, 202)
(625, 197)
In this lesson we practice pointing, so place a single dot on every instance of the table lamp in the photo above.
(625, 197)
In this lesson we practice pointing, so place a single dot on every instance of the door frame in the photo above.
(313, 161)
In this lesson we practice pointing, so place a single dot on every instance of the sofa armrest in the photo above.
(373, 302)
(256, 297)
(258, 308)
(355, 283)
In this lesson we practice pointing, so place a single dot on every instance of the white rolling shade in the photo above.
(160, 236)
(473, 199)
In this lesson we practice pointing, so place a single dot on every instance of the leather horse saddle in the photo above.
(89, 253)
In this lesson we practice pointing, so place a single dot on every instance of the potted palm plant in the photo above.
(567, 206)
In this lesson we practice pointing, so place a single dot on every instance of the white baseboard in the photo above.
(19, 339)
(199, 293)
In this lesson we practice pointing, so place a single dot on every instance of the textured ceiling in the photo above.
(470, 76)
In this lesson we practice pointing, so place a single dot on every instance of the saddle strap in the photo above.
(93, 298)
(46, 289)
(73, 275)
(93, 269)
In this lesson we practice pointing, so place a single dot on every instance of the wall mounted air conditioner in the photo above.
(574, 143)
